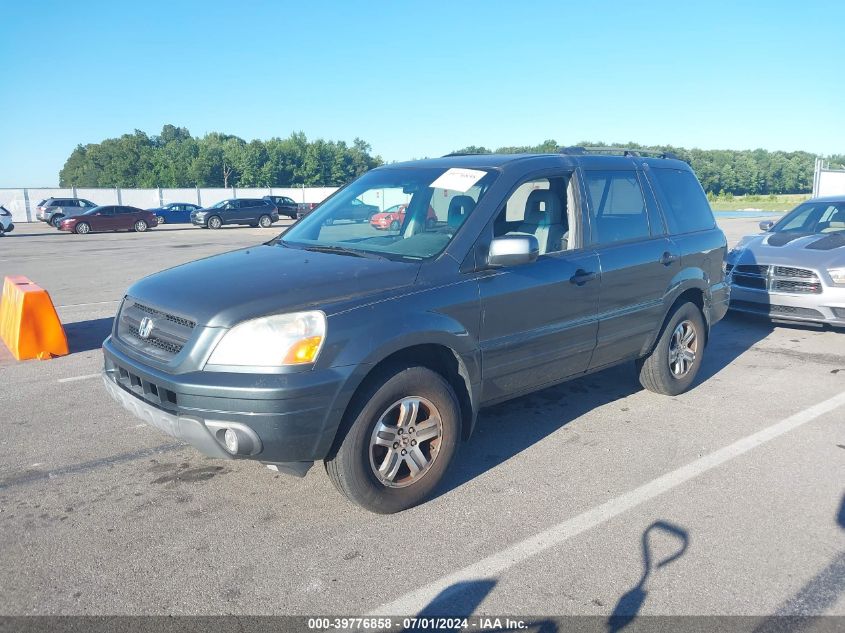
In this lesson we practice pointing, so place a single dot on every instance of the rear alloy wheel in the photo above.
(83, 228)
(140, 226)
(400, 437)
(394, 226)
(56, 220)
(214, 222)
(265, 221)
(671, 367)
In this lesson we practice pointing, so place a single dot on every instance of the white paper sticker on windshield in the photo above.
(456, 179)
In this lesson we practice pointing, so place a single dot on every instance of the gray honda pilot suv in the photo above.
(374, 350)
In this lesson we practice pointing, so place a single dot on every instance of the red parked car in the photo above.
(392, 218)
(110, 218)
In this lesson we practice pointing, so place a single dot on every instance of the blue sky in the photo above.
(420, 78)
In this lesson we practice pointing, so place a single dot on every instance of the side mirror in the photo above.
(513, 250)
(766, 225)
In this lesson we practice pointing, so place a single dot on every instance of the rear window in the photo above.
(686, 206)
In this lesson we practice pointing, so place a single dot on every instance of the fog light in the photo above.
(230, 439)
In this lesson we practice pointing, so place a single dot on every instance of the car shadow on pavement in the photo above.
(460, 600)
(84, 336)
(631, 602)
(507, 429)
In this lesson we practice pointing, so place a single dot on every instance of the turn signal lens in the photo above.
(304, 351)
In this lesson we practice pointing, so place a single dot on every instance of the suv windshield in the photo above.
(437, 201)
(814, 217)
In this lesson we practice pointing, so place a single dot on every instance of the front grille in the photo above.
(786, 271)
(761, 271)
(796, 287)
(785, 279)
(776, 310)
(165, 338)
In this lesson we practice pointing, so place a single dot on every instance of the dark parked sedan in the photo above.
(251, 211)
(175, 213)
(356, 211)
(110, 218)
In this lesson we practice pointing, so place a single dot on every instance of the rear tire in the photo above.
(265, 221)
(56, 220)
(83, 228)
(673, 364)
(375, 468)
(214, 222)
(394, 226)
(140, 226)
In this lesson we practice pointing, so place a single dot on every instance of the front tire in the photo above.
(672, 365)
(265, 221)
(83, 228)
(160, 220)
(400, 436)
(214, 222)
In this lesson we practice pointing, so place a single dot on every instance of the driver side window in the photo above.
(544, 208)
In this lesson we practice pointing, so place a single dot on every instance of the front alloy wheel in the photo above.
(397, 440)
(405, 442)
(214, 222)
(83, 228)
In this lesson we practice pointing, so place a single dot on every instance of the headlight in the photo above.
(273, 341)
(837, 275)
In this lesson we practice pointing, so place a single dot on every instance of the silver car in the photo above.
(54, 210)
(795, 270)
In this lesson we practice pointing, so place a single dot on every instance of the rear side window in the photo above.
(686, 206)
(617, 209)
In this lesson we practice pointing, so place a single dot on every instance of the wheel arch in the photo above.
(434, 354)
(690, 292)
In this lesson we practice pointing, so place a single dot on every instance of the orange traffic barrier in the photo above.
(29, 325)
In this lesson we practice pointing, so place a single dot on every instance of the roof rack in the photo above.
(625, 151)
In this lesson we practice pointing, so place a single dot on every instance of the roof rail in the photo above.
(625, 151)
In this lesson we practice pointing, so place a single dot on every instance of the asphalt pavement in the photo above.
(592, 498)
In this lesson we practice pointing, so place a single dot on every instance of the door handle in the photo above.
(668, 258)
(581, 277)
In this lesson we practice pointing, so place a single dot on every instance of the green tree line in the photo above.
(721, 171)
(174, 158)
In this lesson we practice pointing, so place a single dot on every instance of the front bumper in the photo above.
(294, 416)
(827, 307)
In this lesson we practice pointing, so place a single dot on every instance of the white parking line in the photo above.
(81, 305)
(75, 378)
(496, 563)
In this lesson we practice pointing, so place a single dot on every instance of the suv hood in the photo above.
(816, 250)
(226, 289)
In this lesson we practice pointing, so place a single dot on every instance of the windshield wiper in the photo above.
(341, 250)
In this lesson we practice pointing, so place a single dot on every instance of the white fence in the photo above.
(22, 202)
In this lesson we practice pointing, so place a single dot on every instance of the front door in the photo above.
(539, 319)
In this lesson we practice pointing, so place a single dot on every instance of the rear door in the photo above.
(539, 319)
(638, 262)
